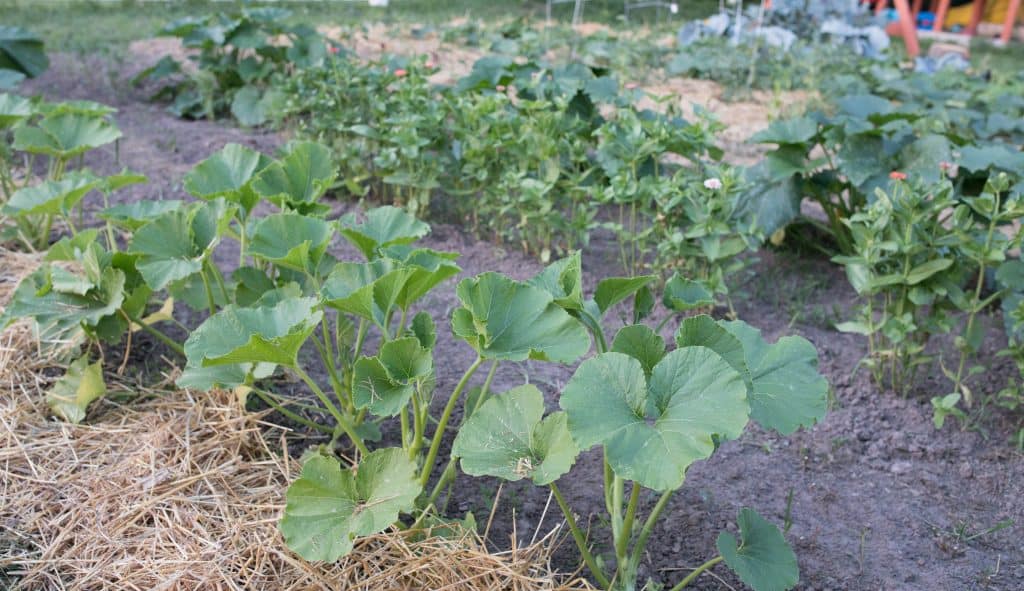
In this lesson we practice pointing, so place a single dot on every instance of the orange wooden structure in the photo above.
(908, 19)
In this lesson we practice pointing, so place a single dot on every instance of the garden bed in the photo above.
(878, 498)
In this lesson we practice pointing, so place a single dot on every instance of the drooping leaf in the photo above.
(787, 131)
(383, 227)
(248, 107)
(763, 560)
(61, 318)
(652, 432)
(509, 437)
(423, 327)
(291, 240)
(253, 335)
(72, 394)
(327, 507)
(504, 319)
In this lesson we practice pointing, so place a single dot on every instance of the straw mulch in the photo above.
(182, 491)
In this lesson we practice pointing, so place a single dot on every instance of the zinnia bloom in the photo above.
(898, 176)
(713, 184)
(400, 72)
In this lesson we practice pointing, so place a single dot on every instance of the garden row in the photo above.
(289, 296)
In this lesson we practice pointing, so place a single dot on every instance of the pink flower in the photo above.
(500, 88)
(898, 176)
(631, 85)
(713, 184)
(400, 73)
(429, 64)
(333, 49)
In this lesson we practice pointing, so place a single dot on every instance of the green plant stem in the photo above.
(697, 572)
(218, 278)
(418, 425)
(446, 415)
(616, 513)
(581, 541)
(210, 301)
(343, 422)
(277, 406)
(627, 524)
(163, 338)
(648, 528)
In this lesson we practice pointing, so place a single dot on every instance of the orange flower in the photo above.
(400, 72)
(333, 49)
(898, 176)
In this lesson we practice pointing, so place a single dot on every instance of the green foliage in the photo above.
(59, 135)
(239, 56)
(763, 559)
(81, 385)
(21, 56)
(915, 251)
(329, 507)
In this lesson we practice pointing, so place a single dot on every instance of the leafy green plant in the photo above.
(239, 57)
(21, 56)
(916, 248)
(653, 413)
(60, 134)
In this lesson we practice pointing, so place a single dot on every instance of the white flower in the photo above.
(713, 184)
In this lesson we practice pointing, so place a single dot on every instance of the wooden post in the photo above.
(1011, 20)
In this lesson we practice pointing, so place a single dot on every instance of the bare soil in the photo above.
(880, 498)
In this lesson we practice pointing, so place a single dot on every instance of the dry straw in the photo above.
(180, 490)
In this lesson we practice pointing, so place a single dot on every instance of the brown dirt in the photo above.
(878, 493)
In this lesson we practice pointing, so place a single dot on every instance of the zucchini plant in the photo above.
(59, 134)
(653, 412)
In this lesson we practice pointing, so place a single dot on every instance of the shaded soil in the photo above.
(878, 495)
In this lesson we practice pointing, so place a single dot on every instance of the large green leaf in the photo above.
(72, 394)
(291, 240)
(505, 319)
(368, 290)
(13, 109)
(787, 391)
(175, 245)
(22, 51)
(52, 197)
(252, 335)
(299, 179)
(509, 437)
(764, 560)
(385, 383)
(383, 227)
(65, 135)
(563, 279)
(229, 174)
(329, 507)
(652, 432)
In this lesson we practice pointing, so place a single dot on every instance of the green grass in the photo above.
(108, 26)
